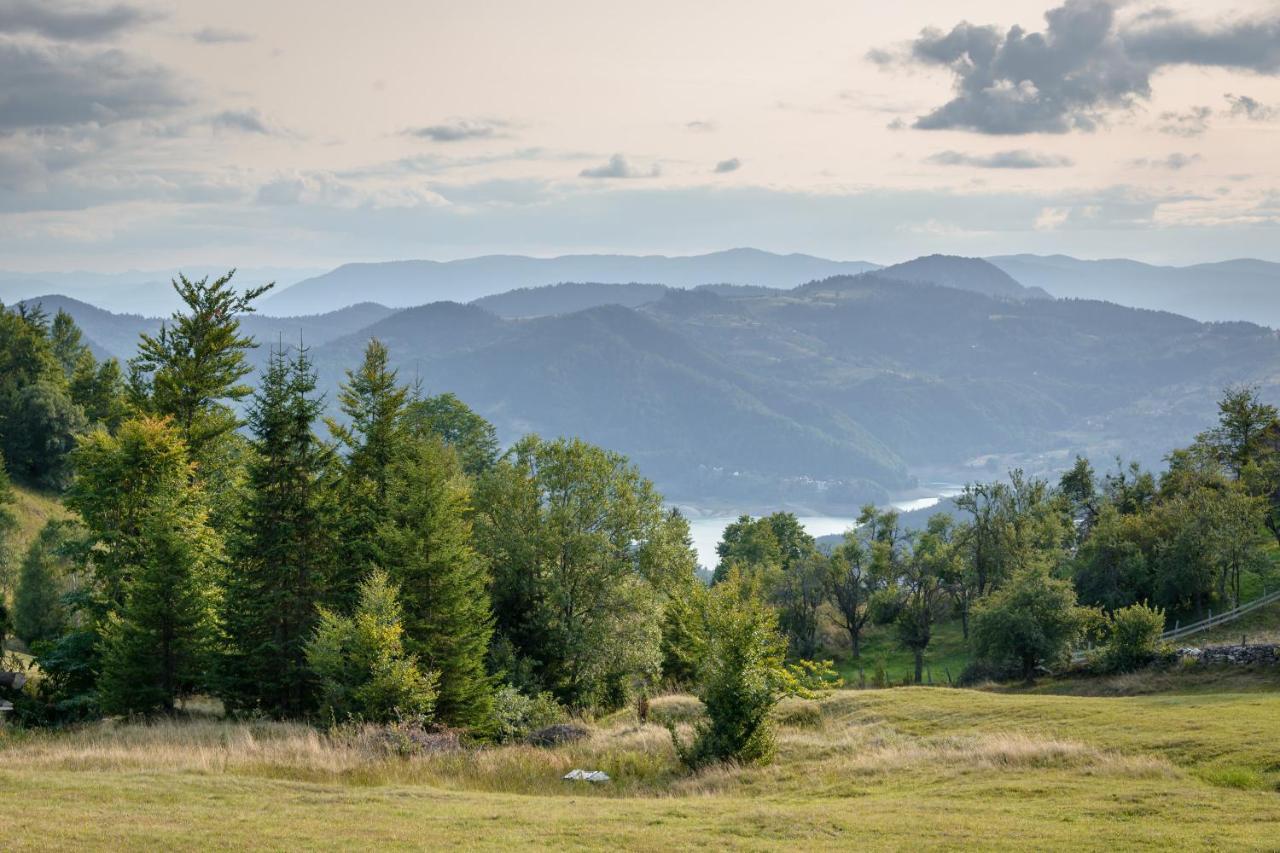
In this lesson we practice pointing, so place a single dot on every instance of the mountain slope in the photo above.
(1226, 291)
(962, 273)
(405, 283)
(567, 297)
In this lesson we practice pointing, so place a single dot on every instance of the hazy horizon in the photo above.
(148, 135)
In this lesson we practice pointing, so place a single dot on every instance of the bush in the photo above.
(516, 716)
(364, 671)
(741, 678)
(1133, 638)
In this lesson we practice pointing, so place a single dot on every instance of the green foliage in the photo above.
(921, 589)
(450, 419)
(515, 715)
(99, 389)
(282, 549)
(741, 677)
(41, 431)
(682, 636)
(1032, 621)
(859, 567)
(192, 368)
(39, 419)
(425, 544)
(582, 556)
(809, 679)
(39, 615)
(364, 671)
(154, 562)
(373, 437)
(1133, 637)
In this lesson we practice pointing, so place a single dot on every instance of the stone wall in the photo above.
(1238, 655)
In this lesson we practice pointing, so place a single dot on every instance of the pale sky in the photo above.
(156, 134)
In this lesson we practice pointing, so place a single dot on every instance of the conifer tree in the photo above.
(192, 368)
(373, 435)
(425, 546)
(154, 560)
(283, 547)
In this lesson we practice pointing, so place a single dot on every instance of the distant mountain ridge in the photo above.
(407, 283)
(1242, 289)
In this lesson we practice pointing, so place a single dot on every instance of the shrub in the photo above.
(1133, 638)
(360, 660)
(516, 716)
(741, 677)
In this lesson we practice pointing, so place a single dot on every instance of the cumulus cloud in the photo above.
(460, 130)
(1175, 161)
(1085, 63)
(1193, 122)
(67, 21)
(619, 167)
(1251, 108)
(61, 86)
(1019, 159)
(733, 164)
(217, 35)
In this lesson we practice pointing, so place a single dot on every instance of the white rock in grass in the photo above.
(586, 776)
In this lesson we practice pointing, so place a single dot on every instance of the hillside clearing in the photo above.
(934, 768)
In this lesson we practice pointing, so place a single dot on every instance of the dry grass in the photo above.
(937, 768)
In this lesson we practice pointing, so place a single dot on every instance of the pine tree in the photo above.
(373, 436)
(425, 546)
(283, 546)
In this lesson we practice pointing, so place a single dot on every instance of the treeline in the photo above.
(1033, 568)
(389, 563)
(386, 563)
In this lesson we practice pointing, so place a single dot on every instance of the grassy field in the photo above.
(908, 767)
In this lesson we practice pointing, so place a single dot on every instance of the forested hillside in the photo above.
(825, 395)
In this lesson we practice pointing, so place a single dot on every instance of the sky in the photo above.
(146, 135)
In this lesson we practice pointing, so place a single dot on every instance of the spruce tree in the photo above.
(372, 436)
(154, 560)
(283, 546)
(192, 368)
(425, 546)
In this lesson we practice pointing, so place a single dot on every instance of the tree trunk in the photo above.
(964, 621)
(855, 642)
(919, 653)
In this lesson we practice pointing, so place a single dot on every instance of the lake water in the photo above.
(707, 530)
